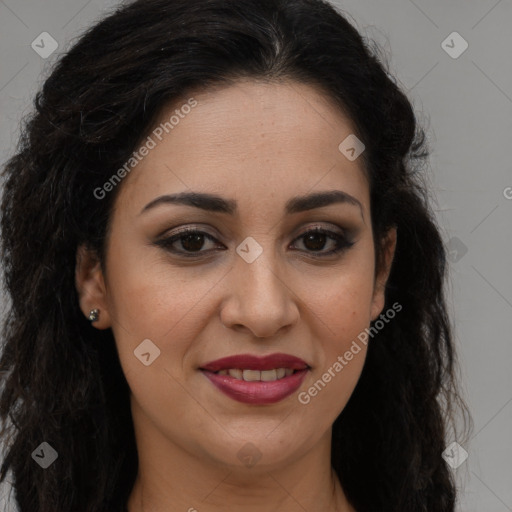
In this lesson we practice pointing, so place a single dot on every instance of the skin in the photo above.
(259, 144)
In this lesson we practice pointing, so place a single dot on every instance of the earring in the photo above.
(94, 315)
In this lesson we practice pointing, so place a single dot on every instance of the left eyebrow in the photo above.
(214, 203)
(320, 199)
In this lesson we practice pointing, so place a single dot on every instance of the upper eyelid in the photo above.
(319, 226)
(327, 225)
(198, 229)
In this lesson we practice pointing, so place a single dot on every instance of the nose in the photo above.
(259, 298)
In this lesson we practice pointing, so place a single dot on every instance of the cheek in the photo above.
(340, 308)
(341, 302)
(151, 300)
(151, 297)
(342, 315)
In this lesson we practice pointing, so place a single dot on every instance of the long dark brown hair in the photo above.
(61, 379)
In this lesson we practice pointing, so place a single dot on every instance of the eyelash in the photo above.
(342, 243)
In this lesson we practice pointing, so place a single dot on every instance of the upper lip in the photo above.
(252, 362)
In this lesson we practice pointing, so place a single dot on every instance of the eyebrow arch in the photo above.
(214, 203)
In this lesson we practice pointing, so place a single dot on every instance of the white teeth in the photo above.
(251, 375)
(268, 375)
(257, 375)
(236, 373)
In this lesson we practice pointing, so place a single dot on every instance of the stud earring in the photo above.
(94, 315)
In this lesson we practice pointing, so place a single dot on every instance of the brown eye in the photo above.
(191, 242)
(316, 239)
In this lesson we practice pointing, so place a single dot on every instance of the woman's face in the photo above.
(253, 281)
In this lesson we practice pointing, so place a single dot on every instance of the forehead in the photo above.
(268, 139)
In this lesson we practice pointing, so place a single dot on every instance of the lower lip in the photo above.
(257, 392)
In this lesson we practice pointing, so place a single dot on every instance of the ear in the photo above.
(379, 297)
(90, 286)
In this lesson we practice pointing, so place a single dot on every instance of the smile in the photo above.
(257, 380)
(256, 375)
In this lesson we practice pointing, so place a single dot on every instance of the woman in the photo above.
(226, 278)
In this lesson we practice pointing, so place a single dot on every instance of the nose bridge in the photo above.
(259, 269)
(261, 276)
(259, 297)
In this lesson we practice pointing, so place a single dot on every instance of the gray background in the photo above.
(466, 105)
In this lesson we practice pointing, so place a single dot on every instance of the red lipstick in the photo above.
(262, 390)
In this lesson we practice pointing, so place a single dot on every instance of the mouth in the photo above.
(257, 380)
(257, 375)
